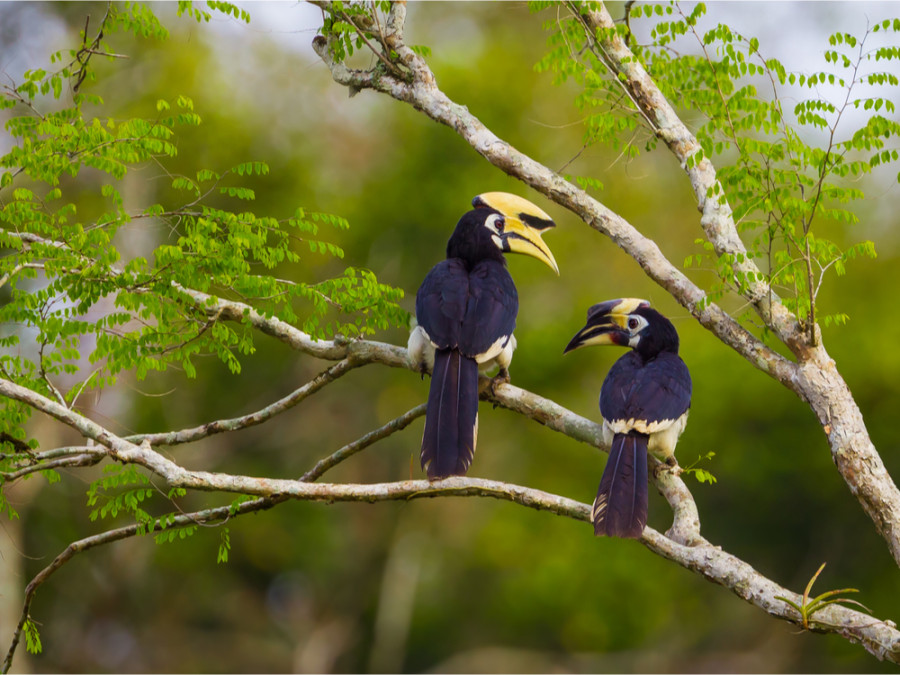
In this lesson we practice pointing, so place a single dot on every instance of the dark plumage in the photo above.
(644, 403)
(466, 310)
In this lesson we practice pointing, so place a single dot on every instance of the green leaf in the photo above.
(32, 637)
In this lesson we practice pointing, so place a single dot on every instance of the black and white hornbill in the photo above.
(644, 402)
(466, 311)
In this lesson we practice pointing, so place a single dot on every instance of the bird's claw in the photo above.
(500, 378)
(673, 467)
(670, 465)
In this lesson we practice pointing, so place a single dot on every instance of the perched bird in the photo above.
(644, 402)
(466, 311)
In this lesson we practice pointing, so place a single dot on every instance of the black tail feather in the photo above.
(451, 418)
(620, 509)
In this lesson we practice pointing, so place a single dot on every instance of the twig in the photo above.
(85, 459)
(170, 438)
(813, 377)
(395, 425)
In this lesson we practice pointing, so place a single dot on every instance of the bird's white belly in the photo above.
(498, 354)
(420, 350)
(663, 434)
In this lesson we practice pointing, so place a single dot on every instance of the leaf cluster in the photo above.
(788, 172)
(354, 26)
(574, 54)
(808, 607)
(81, 302)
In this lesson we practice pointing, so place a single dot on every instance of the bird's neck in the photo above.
(663, 338)
(650, 351)
(472, 255)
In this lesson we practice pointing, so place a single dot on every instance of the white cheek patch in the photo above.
(497, 240)
(636, 331)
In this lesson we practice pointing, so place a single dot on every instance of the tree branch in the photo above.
(814, 378)
(395, 425)
(424, 95)
(682, 544)
(236, 423)
(818, 381)
(879, 637)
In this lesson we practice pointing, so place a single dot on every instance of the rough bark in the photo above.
(813, 376)
(682, 543)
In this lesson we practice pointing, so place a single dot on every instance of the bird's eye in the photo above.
(499, 224)
(633, 323)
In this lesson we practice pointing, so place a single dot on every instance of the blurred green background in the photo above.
(450, 584)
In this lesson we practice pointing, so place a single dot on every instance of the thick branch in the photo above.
(880, 638)
(717, 219)
(816, 381)
(693, 552)
(424, 95)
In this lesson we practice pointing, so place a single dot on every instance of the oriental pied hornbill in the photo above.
(466, 311)
(644, 402)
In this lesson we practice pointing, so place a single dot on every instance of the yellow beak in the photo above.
(607, 324)
(525, 225)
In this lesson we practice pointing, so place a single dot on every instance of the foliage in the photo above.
(362, 24)
(702, 475)
(809, 607)
(89, 303)
(303, 569)
(224, 545)
(789, 174)
(32, 637)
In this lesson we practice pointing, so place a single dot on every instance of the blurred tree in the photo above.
(130, 253)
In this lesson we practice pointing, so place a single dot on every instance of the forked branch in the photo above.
(813, 377)
(682, 544)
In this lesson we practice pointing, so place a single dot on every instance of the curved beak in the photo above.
(606, 332)
(607, 324)
(525, 225)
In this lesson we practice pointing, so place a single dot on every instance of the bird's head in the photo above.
(505, 223)
(627, 322)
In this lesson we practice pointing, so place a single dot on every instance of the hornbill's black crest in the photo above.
(466, 311)
(644, 402)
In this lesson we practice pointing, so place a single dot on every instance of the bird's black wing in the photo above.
(492, 307)
(441, 302)
(648, 392)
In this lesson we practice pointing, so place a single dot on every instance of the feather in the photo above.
(620, 508)
(451, 417)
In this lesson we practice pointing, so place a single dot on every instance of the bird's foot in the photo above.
(673, 466)
(670, 465)
(421, 368)
(500, 378)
